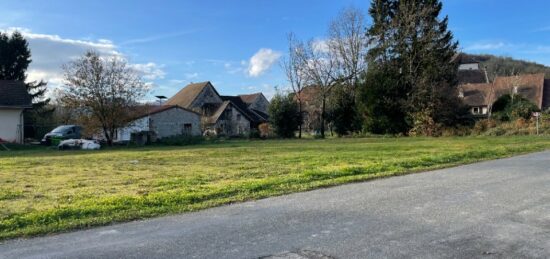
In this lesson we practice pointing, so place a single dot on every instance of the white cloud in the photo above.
(262, 61)
(49, 52)
(149, 71)
(157, 37)
(486, 46)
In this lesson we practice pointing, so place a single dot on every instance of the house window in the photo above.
(238, 117)
(475, 110)
(187, 129)
(515, 90)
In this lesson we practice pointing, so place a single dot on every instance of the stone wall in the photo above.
(233, 123)
(208, 95)
(173, 122)
(261, 104)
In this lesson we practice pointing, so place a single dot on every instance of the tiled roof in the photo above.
(150, 110)
(212, 119)
(476, 94)
(187, 95)
(243, 107)
(529, 86)
(249, 98)
(14, 94)
(471, 77)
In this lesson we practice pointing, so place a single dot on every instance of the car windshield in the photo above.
(62, 129)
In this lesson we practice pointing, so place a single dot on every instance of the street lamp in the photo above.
(160, 97)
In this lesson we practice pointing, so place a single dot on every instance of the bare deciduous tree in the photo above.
(103, 90)
(293, 68)
(339, 59)
(348, 41)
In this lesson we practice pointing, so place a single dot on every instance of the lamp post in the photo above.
(160, 97)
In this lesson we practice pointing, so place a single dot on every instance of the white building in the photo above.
(14, 99)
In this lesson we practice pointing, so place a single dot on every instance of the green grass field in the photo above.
(47, 191)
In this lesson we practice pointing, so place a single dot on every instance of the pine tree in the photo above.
(410, 40)
(426, 48)
(15, 57)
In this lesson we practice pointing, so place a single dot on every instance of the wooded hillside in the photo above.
(507, 66)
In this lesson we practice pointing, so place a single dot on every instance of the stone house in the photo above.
(480, 97)
(476, 91)
(14, 99)
(163, 121)
(226, 115)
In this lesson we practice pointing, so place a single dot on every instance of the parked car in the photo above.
(60, 133)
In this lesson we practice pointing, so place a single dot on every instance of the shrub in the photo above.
(284, 115)
(456, 131)
(265, 130)
(424, 125)
(495, 132)
(483, 125)
(512, 107)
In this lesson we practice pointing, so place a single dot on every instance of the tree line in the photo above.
(394, 76)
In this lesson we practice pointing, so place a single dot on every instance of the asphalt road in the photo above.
(495, 209)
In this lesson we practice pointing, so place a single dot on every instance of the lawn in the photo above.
(47, 191)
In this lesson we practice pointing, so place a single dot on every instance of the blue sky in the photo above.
(237, 44)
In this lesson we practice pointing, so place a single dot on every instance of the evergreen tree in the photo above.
(15, 57)
(284, 116)
(383, 101)
(343, 112)
(409, 37)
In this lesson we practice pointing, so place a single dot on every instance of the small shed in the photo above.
(14, 99)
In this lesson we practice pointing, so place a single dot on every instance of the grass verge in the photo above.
(48, 191)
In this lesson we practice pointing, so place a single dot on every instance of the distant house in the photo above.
(479, 94)
(479, 97)
(226, 115)
(14, 99)
(163, 121)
